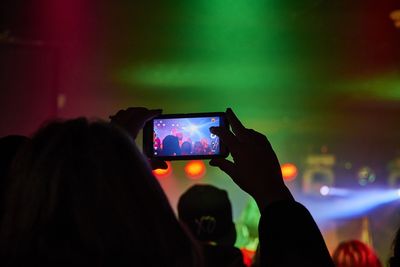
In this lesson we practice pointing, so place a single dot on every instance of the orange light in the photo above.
(195, 169)
(395, 16)
(161, 173)
(289, 171)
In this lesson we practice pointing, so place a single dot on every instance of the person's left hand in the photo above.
(133, 120)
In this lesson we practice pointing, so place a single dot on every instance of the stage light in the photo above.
(395, 16)
(394, 174)
(352, 204)
(348, 165)
(334, 191)
(161, 173)
(195, 169)
(318, 173)
(289, 171)
(366, 176)
(324, 190)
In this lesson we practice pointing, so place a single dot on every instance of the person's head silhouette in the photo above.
(84, 194)
(207, 211)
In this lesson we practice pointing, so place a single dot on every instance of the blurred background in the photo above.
(320, 78)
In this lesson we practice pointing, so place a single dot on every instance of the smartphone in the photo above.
(184, 136)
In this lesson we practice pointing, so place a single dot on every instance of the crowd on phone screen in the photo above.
(80, 193)
(173, 145)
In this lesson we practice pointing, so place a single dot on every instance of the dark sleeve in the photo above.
(290, 237)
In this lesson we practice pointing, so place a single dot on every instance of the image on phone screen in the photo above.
(185, 136)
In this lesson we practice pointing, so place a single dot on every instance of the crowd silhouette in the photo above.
(170, 146)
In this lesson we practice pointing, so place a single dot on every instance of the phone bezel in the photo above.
(148, 129)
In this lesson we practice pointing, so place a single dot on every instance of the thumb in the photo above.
(147, 115)
(225, 165)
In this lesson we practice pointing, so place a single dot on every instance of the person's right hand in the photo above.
(255, 167)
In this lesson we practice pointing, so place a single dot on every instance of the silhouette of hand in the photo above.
(133, 120)
(255, 167)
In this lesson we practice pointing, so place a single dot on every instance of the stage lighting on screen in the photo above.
(193, 128)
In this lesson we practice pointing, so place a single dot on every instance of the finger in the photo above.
(227, 137)
(258, 138)
(237, 127)
(158, 164)
(155, 112)
(150, 114)
(119, 114)
(138, 118)
(137, 109)
(225, 165)
(133, 119)
(143, 115)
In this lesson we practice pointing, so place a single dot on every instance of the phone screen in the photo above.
(186, 137)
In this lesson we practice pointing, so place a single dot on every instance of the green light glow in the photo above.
(227, 46)
(215, 77)
(247, 227)
(227, 53)
(385, 87)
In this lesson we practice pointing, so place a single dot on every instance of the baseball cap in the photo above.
(207, 211)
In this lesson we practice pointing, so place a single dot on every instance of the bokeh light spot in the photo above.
(195, 169)
(289, 171)
(163, 173)
(324, 190)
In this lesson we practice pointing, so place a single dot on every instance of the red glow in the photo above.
(289, 171)
(195, 169)
(355, 253)
(161, 173)
(248, 256)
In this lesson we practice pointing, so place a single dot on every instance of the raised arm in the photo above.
(287, 232)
